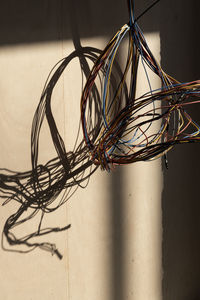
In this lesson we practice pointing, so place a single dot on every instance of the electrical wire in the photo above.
(119, 127)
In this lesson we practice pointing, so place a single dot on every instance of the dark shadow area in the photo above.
(118, 259)
(48, 20)
(181, 223)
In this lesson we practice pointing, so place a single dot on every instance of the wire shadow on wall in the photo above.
(46, 187)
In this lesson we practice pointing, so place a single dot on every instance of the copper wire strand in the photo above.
(117, 129)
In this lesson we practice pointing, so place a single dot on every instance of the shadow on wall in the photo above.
(39, 21)
(181, 204)
(49, 20)
(178, 21)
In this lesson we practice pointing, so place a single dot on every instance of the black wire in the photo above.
(146, 10)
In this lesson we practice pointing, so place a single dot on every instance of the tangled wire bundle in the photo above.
(118, 128)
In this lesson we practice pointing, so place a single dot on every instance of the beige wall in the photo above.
(115, 219)
(113, 249)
